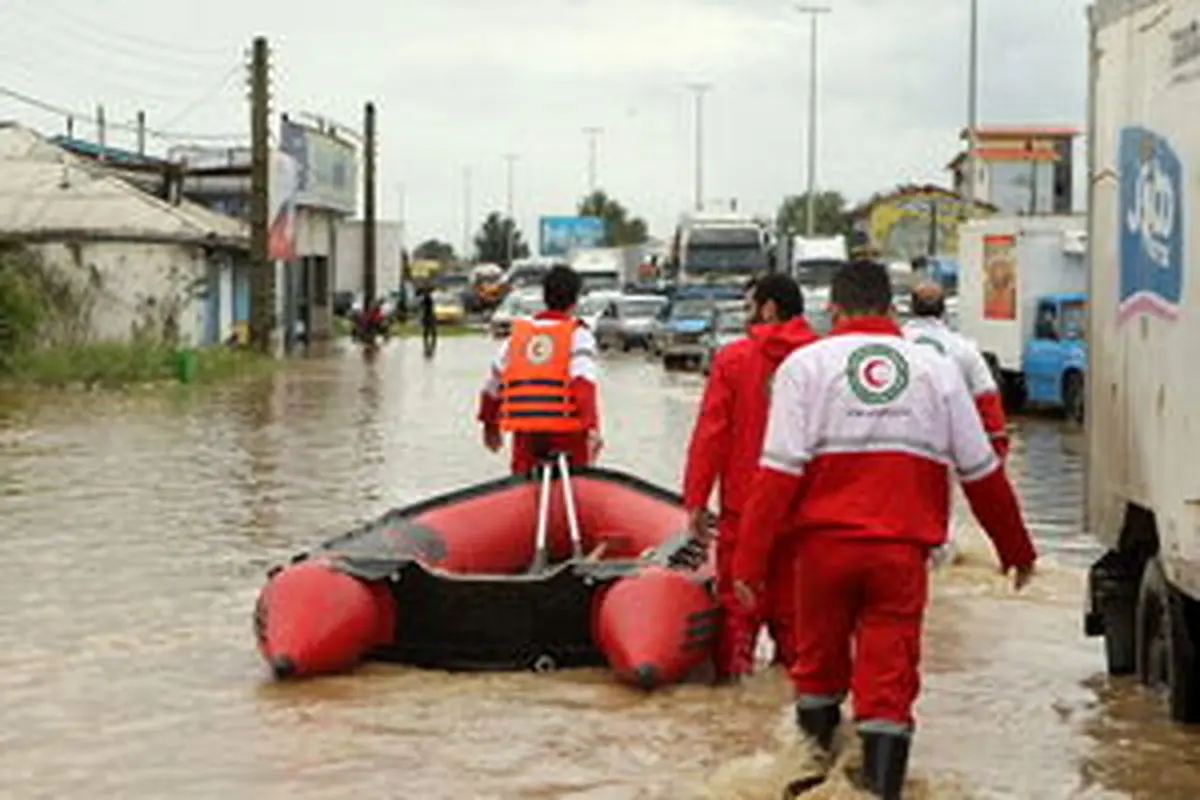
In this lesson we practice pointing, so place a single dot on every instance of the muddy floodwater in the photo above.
(135, 532)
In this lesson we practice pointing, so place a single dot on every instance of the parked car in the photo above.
(448, 307)
(626, 321)
(518, 304)
(679, 336)
(592, 307)
(729, 325)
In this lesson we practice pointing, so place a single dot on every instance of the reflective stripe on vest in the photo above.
(535, 389)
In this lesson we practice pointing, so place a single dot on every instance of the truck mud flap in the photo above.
(1112, 589)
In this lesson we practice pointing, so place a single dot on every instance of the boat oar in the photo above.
(564, 471)
(541, 552)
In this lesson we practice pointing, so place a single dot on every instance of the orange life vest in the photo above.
(535, 389)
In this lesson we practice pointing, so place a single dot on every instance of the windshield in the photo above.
(601, 280)
(819, 320)
(591, 305)
(1073, 321)
(732, 320)
(691, 309)
(725, 259)
(817, 271)
(517, 305)
(641, 309)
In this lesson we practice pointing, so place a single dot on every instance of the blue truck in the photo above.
(1021, 299)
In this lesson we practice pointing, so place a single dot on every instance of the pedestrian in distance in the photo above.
(724, 448)
(428, 321)
(542, 387)
(928, 327)
(863, 433)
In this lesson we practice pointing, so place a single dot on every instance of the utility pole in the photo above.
(510, 163)
(811, 213)
(141, 133)
(101, 132)
(969, 183)
(466, 232)
(593, 133)
(370, 289)
(700, 89)
(262, 272)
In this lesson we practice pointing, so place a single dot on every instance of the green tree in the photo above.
(620, 228)
(434, 250)
(830, 215)
(491, 243)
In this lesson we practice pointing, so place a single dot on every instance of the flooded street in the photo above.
(136, 532)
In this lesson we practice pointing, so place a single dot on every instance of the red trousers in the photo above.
(735, 647)
(860, 606)
(527, 448)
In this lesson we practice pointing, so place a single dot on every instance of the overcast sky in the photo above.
(459, 83)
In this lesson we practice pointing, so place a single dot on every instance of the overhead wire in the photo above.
(153, 132)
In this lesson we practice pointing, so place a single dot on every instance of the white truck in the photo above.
(601, 268)
(1143, 430)
(720, 248)
(1022, 298)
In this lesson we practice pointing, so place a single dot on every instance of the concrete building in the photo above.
(1020, 169)
(912, 221)
(140, 266)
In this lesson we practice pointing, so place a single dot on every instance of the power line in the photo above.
(107, 34)
(67, 113)
(216, 89)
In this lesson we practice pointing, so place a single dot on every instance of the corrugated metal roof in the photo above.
(49, 193)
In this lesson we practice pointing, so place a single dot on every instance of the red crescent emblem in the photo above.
(870, 376)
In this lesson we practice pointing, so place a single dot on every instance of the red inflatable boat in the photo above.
(557, 569)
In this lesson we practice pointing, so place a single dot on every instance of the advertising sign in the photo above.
(557, 236)
(328, 168)
(1000, 277)
(282, 186)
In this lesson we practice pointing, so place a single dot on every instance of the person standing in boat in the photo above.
(863, 430)
(724, 449)
(542, 387)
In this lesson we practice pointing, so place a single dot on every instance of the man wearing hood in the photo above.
(725, 446)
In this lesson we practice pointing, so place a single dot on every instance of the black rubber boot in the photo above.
(885, 764)
(819, 724)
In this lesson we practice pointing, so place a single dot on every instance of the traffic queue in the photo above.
(832, 456)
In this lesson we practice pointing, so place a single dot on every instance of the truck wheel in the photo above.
(1073, 396)
(1166, 649)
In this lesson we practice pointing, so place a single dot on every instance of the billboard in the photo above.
(1000, 277)
(557, 236)
(328, 168)
(282, 184)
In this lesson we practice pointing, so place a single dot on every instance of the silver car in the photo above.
(513, 306)
(729, 325)
(626, 321)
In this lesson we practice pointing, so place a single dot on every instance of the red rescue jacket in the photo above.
(727, 437)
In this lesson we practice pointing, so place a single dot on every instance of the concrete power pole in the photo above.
(510, 163)
(262, 271)
(370, 287)
(700, 89)
(593, 133)
(811, 212)
(141, 133)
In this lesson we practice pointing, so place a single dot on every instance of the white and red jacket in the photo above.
(935, 334)
(864, 431)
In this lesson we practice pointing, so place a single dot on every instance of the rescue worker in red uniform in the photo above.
(542, 385)
(724, 449)
(863, 431)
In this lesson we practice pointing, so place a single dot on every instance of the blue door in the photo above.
(212, 304)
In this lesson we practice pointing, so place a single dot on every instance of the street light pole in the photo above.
(593, 134)
(813, 12)
(466, 232)
(969, 184)
(510, 162)
(700, 89)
